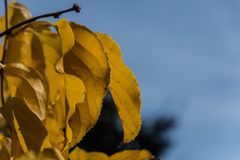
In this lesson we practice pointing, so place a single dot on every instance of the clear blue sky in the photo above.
(186, 56)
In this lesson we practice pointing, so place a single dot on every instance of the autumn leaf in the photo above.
(133, 155)
(80, 154)
(57, 82)
(124, 89)
(31, 90)
(16, 14)
(67, 40)
(87, 61)
(25, 124)
(47, 154)
(51, 48)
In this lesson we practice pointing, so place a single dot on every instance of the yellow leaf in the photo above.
(56, 121)
(32, 91)
(75, 93)
(50, 154)
(51, 47)
(30, 130)
(80, 154)
(66, 35)
(124, 89)
(19, 49)
(133, 155)
(23, 48)
(67, 40)
(56, 135)
(87, 61)
(47, 154)
(16, 14)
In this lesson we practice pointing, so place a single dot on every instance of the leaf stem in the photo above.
(75, 8)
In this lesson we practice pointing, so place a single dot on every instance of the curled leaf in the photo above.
(31, 90)
(87, 61)
(66, 35)
(67, 40)
(16, 14)
(75, 94)
(25, 124)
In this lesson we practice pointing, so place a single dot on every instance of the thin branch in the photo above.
(75, 8)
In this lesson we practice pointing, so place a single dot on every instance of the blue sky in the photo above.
(186, 56)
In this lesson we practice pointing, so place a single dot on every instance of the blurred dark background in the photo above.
(107, 135)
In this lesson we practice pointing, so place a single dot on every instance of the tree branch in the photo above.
(75, 8)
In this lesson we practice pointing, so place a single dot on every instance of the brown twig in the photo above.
(75, 8)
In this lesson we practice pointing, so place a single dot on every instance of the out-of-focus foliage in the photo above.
(55, 85)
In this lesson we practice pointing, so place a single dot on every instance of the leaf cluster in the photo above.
(55, 78)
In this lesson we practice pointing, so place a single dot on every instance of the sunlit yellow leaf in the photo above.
(19, 49)
(32, 90)
(66, 35)
(124, 89)
(23, 48)
(80, 154)
(56, 135)
(133, 155)
(67, 40)
(30, 130)
(75, 93)
(16, 14)
(50, 154)
(87, 61)
(51, 47)
(56, 122)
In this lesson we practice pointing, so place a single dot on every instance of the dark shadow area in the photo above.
(107, 134)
